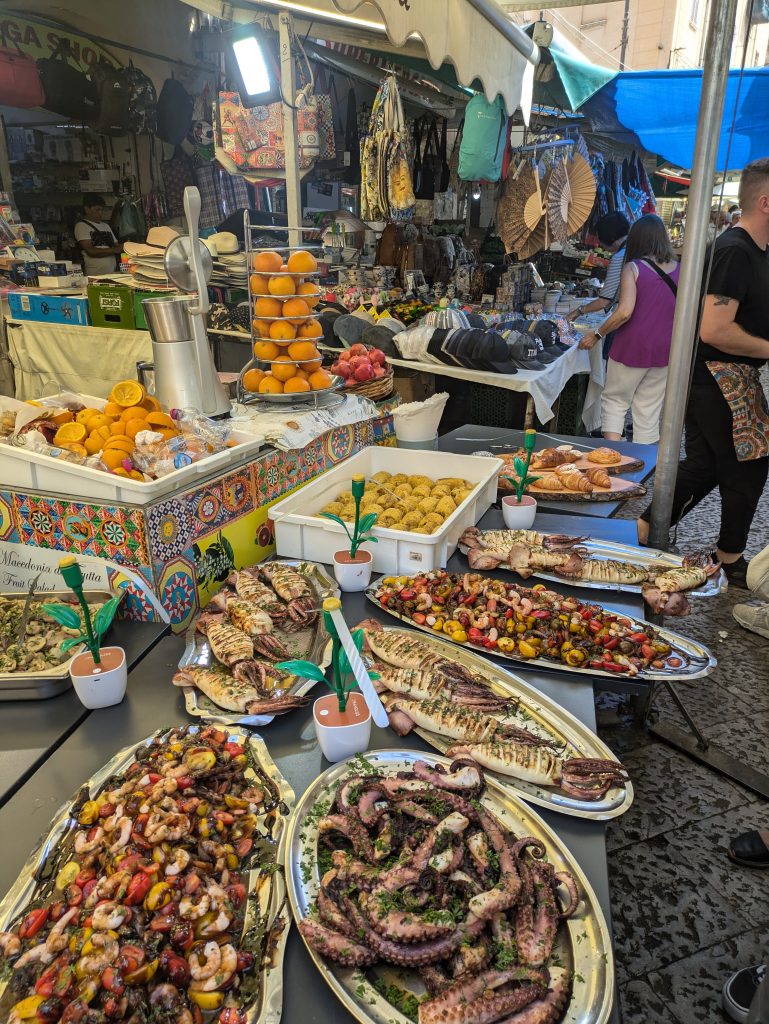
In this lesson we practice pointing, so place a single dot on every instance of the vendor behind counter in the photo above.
(95, 238)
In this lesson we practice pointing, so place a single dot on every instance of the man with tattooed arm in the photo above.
(727, 418)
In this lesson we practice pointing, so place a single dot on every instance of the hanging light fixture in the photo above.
(255, 66)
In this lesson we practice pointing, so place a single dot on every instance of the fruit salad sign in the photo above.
(39, 40)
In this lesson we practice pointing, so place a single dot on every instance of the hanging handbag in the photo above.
(174, 112)
(351, 141)
(67, 90)
(443, 173)
(114, 99)
(20, 84)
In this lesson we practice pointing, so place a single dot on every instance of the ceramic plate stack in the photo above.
(570, 197)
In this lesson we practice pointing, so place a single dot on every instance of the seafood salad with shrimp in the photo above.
(526, 623)
(145, 914)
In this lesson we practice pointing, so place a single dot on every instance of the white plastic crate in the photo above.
(22, 469)
(300, 533)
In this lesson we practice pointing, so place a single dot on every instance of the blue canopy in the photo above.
(661, 108)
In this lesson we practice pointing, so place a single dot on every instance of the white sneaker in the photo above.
(739, 990)
(754, 617)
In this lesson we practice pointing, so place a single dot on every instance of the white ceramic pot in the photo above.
(353, 574)
(519, 515)
(100, 686)
(342, 734)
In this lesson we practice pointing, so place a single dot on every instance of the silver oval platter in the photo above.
(583, 946)
(543, 716)
(266, 923)
(310, 644)
(609, 550)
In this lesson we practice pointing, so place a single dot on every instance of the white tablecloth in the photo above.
(544, 386)
(86, 360)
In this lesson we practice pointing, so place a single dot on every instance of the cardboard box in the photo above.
(52, 309)
(111, 306)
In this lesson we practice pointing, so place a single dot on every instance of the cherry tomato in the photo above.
(73, 894)
(130, 958)
(138, 888)
(140, 823)
(638, 638)
(175, 968)
(112, 980)
(185, 782)
(45, 983)
(231, 1015)
(106, 809)
(85, 875)
(75, 1013)
(154, 777)
(182, 936)
(245, 960)
(33, 922)
(56, 910)
(647, 651)
(65, 979)
(236, 894)
(235, 749)
(89, 887)
(594, 626)
(49, 1011)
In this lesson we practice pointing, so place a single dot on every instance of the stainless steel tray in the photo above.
(712, 587)
(584, 946)
(266, 902)
(698, 660)
(49, 682)
(544, 716)
(309, 644)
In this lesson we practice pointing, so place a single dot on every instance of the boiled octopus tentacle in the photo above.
(591, 777)
(415, 955)
(464, 777)
(548, 1010)
(486, 1007)
(566, 879)
(336, 946)
(506, 892)
(434, 979)
(275, 705)
(536, 921)
(415, 810)
(355, 872)
(352, 829)
(470, 959)
(330, 913)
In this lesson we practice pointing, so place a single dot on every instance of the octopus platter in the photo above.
(426, 892)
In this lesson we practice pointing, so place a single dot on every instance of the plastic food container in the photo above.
(300, 533)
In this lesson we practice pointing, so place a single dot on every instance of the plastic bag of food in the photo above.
(155, 456)
(215, 433)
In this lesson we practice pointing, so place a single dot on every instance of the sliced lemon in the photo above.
(127, 393)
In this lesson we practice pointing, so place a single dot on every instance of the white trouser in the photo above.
(640, 389)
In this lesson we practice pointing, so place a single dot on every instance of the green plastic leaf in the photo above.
(104, 616)
(531, 480)
(520, 466)
(73, 641)
(64, 614)
(303, 669)
(330, 515)
(366, 522)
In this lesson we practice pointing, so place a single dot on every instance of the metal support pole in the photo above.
(290, 130)
(625, 35)
(718, 48)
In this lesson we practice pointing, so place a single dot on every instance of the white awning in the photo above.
(476, 36)
(516, 6)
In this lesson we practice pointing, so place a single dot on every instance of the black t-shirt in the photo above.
(741, 272)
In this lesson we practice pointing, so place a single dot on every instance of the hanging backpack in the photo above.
(483, 140)
(443, 171)
(67, 90)
(20, 84)
(142, 101)
(174, 115)
(113, 93)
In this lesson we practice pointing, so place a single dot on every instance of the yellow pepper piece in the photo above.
(459, 636)
(89, 813)
(158, 896)
(67, 875)
(201, 760)
(27, 1008)
(527, 650)
(438, 627)
(206, 1000)
(506, 644)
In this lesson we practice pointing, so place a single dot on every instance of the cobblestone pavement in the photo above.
(685, 917)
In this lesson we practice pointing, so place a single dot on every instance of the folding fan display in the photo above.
(520, 185)
(535, 209)
(570, 197)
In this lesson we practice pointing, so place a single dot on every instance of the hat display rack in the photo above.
(303, 401)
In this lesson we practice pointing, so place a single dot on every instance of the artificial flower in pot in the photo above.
(519, 509)
(342, 718)
(352, 566)
(99, 674)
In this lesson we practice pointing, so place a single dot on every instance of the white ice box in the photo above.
(301, 533)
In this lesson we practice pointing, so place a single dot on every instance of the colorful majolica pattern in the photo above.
(108, 531)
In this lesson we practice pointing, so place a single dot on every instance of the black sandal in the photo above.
(749, 850)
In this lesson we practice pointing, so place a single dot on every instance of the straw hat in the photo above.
(158, 239)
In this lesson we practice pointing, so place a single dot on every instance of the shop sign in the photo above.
(40, 40)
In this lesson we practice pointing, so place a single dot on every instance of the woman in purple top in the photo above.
(637, 370)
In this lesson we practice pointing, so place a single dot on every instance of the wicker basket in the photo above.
(376, 389)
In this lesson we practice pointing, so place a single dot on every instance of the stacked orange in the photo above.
(283, 326)
(111, 432)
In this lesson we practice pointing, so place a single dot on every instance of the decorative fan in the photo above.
(535, 209)
(541, 236)
(516, 191)
(570, 197)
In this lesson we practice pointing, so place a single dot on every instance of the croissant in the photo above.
(599, 477)
(604, 456)
(569, 453)
(548, 458)
(549, 482)
(575, 481)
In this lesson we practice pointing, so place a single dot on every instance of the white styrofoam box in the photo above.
(301, 533)
(22, 469)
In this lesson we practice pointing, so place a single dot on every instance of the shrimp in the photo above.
(190, 910)
(10, 944)
(124, 825)
(226, 969)
(178, 864)
(107, 944)
(164, 788)
(108, 886)
(111, 822)
(109, 916)
(169, 828)
(165, 995)
(221, 923)
(57, 940)
(38, 954)
(85, 845)
(212, 956)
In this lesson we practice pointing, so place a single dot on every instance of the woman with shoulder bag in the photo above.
(636, 376)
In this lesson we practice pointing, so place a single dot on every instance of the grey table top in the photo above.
(31, 730)
(468, 439)
(152, 702)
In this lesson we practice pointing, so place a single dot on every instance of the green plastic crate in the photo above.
(111, 306)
